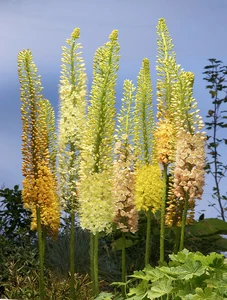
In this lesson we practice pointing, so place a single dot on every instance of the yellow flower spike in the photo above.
(97, 153)
(96, 211)
(72, 120)
(143, 116)
(38, 146)
(164, 139)
(149, 188)
(46, 192)
(167, 71)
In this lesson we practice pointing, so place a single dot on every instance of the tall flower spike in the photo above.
(30, 96)
(186, 115)
(144, 119)
(39, 185)
(48, 131)
(72, 120)
(123, 174)
(167, 71)
(187, 122)
(96, 166)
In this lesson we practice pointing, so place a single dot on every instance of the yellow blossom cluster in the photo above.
(38, 148)
(96, 202)
(72, 120)
(95, 188)
(143, 116)
(164, 141)
(124, 189)
(41, 192)
(149, 187)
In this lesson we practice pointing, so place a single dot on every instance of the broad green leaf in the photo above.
(140, 289)
(160, 289)
(190, 269)
(154, 274)
(104, 296)
(169, 271)
(181, 256)
(208, 227)
(207, 294)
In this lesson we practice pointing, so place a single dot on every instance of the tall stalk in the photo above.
(96, 264)
(92, 261)
(123, 264)
(184, 220)
(96, 200)
(72, 256)
(72, 116)
(177, 239)
(163, 209)
(148, 238)
(39, 156)
(41, 254)
(143, 137)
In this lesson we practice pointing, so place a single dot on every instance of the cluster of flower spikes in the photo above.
(96, 189)
(177, 105)
(188, 175)
(38, 148)
(72, 120)
(124, 188)
(149, 187)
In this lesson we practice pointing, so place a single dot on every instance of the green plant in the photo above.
(216, 77)
(14, 219)
(187, 276)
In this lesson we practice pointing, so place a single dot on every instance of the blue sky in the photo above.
(197, 27)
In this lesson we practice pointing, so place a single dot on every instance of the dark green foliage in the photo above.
(216, 77)
(14, 218)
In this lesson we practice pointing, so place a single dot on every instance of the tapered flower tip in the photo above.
(76, 33)
(24, 53)
(162, 23)
(114, 35)
(146, 64)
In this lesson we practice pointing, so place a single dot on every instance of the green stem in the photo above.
(92, 262)
(184, 220)
(72, 256)
(177, 239)
(148, 239)
(123, 265)
(163, 209)
(41, 254)
(96, 264)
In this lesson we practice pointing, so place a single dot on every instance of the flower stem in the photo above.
(123, 265)
(148, 238)
(184, 219)
(41, 254)
(96, 264)
(177, 239)
(163, 209)
(72, 256)
(92, 262)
